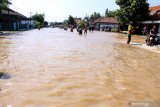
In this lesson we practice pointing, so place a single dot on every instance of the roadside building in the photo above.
(11, 20)
(78, 20)
(105, 22)
(154, 18)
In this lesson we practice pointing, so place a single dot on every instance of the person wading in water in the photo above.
(85, 30)
(130, 32)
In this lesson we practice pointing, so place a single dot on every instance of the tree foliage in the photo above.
(71, 20)
(65, 22)
(45, 23)
(82, 23)
(86, 18)
(109, 13)
(95, 15)
(4, 4)
(37, 24)
(132, 10)
(39, 17)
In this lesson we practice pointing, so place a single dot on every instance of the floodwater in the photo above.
(55, 68)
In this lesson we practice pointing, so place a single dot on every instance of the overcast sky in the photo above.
(58, 10)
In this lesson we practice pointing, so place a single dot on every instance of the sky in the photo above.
(59, 10)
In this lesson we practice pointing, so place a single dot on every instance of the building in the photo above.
(11, 20)
(104, 22)
(154, 18)
(78, 20)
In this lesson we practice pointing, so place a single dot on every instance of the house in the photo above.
(105, 22)
(11, 20)
(154, 18)
(78, 20)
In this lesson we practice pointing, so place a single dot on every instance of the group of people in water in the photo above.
(84, 30)
(152, 38)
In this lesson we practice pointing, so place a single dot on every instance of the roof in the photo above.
(106, 20)
(9, 11)
(154, 9)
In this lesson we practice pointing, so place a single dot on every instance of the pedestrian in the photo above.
(145, 30)
(130, 32)
(85, 30)
(39, 27)
(72, 29)
(92, 28)
(80, 31)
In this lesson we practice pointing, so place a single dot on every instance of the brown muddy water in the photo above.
(55, 68)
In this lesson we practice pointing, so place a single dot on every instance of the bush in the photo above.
(114, 30)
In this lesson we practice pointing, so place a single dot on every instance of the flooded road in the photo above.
(55, 68)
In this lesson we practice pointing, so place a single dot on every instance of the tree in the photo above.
(82, 23)
(4, 4)
(71, 20)
(86, 18)
(95, 15)
(39, 17)
(109, 13)
(132, 10)
(65, 22)
(45, 23)
(37, 24)
(106, 12)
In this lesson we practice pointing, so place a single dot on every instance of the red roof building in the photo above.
(154, 18)
(154, 9)
(108, 20)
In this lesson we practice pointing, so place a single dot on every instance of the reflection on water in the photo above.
(55, 68)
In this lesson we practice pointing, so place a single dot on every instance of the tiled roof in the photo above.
(154, 9)
(106, 20)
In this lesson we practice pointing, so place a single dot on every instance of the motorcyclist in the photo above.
(152, 35)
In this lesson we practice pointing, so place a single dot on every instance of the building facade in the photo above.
(154, 18)
(105, 22)
(11, 20)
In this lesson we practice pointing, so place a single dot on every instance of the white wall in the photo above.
(108, 25)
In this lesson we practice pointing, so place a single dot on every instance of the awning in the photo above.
(151, 22)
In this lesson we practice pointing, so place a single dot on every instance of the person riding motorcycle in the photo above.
(152, 36)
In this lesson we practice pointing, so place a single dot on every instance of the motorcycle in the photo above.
(151, 41)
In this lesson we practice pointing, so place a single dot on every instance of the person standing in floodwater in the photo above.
(85, 30)
(39, 27)
(130, 32)
(92, 28)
